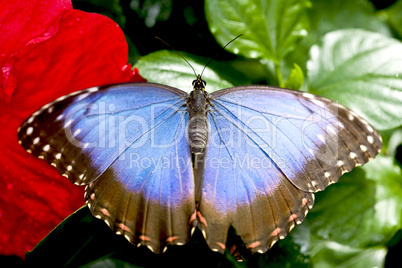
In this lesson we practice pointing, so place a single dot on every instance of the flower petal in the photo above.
(21, 25)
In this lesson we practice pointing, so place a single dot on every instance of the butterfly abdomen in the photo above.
(197, 126)
(198, 133)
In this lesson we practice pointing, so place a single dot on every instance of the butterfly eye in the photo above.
(204, 83)
(194, 81)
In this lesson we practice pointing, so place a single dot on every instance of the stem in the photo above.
(278, 73)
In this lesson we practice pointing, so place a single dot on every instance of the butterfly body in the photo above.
(263, 153)
(197, 105)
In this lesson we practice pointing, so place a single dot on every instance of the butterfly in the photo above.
(158, 162)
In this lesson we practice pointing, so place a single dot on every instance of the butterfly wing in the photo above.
(269, 150)
(127, 144)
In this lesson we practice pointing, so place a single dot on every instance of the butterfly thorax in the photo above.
(197, 105)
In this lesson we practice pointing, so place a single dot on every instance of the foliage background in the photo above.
(349, 51)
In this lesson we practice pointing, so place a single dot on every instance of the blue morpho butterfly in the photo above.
(158, 162)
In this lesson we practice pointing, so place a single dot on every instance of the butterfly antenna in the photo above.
(160, 39)
(211, 59)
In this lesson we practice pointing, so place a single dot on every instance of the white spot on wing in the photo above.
(77, 132)
(318, 103)
(204, 234)
(331, 129)
(93, 89)
(126, 236)
(321, 137)
(36, 140)
(308, 95)
(61, 98)
(59, 117)
(363, 148)
(68, 123)
(108, 222)
(74, 93)
(370, 139)
(46, 148)
(82, 96)
(44, 107)
(292, 225)
(29, 130)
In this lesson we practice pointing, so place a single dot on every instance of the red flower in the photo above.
(47, 50)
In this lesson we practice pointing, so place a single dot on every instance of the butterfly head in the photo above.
(199, 83)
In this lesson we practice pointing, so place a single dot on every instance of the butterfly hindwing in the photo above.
(241, 191)
(127, 144)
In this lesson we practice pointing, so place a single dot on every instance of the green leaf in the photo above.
(152, 11)
(295, 79)
(394, 16)
(166, 67)
(363, 208)
(271, 28)
(363, 71)
(328, 254)
(327, 16)
(330, 15)
(109, 263)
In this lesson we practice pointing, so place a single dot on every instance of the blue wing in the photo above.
(269, 150)
(127, 144)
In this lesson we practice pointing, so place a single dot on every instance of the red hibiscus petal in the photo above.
(31, 20)
(86, 50)
(22, 24)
